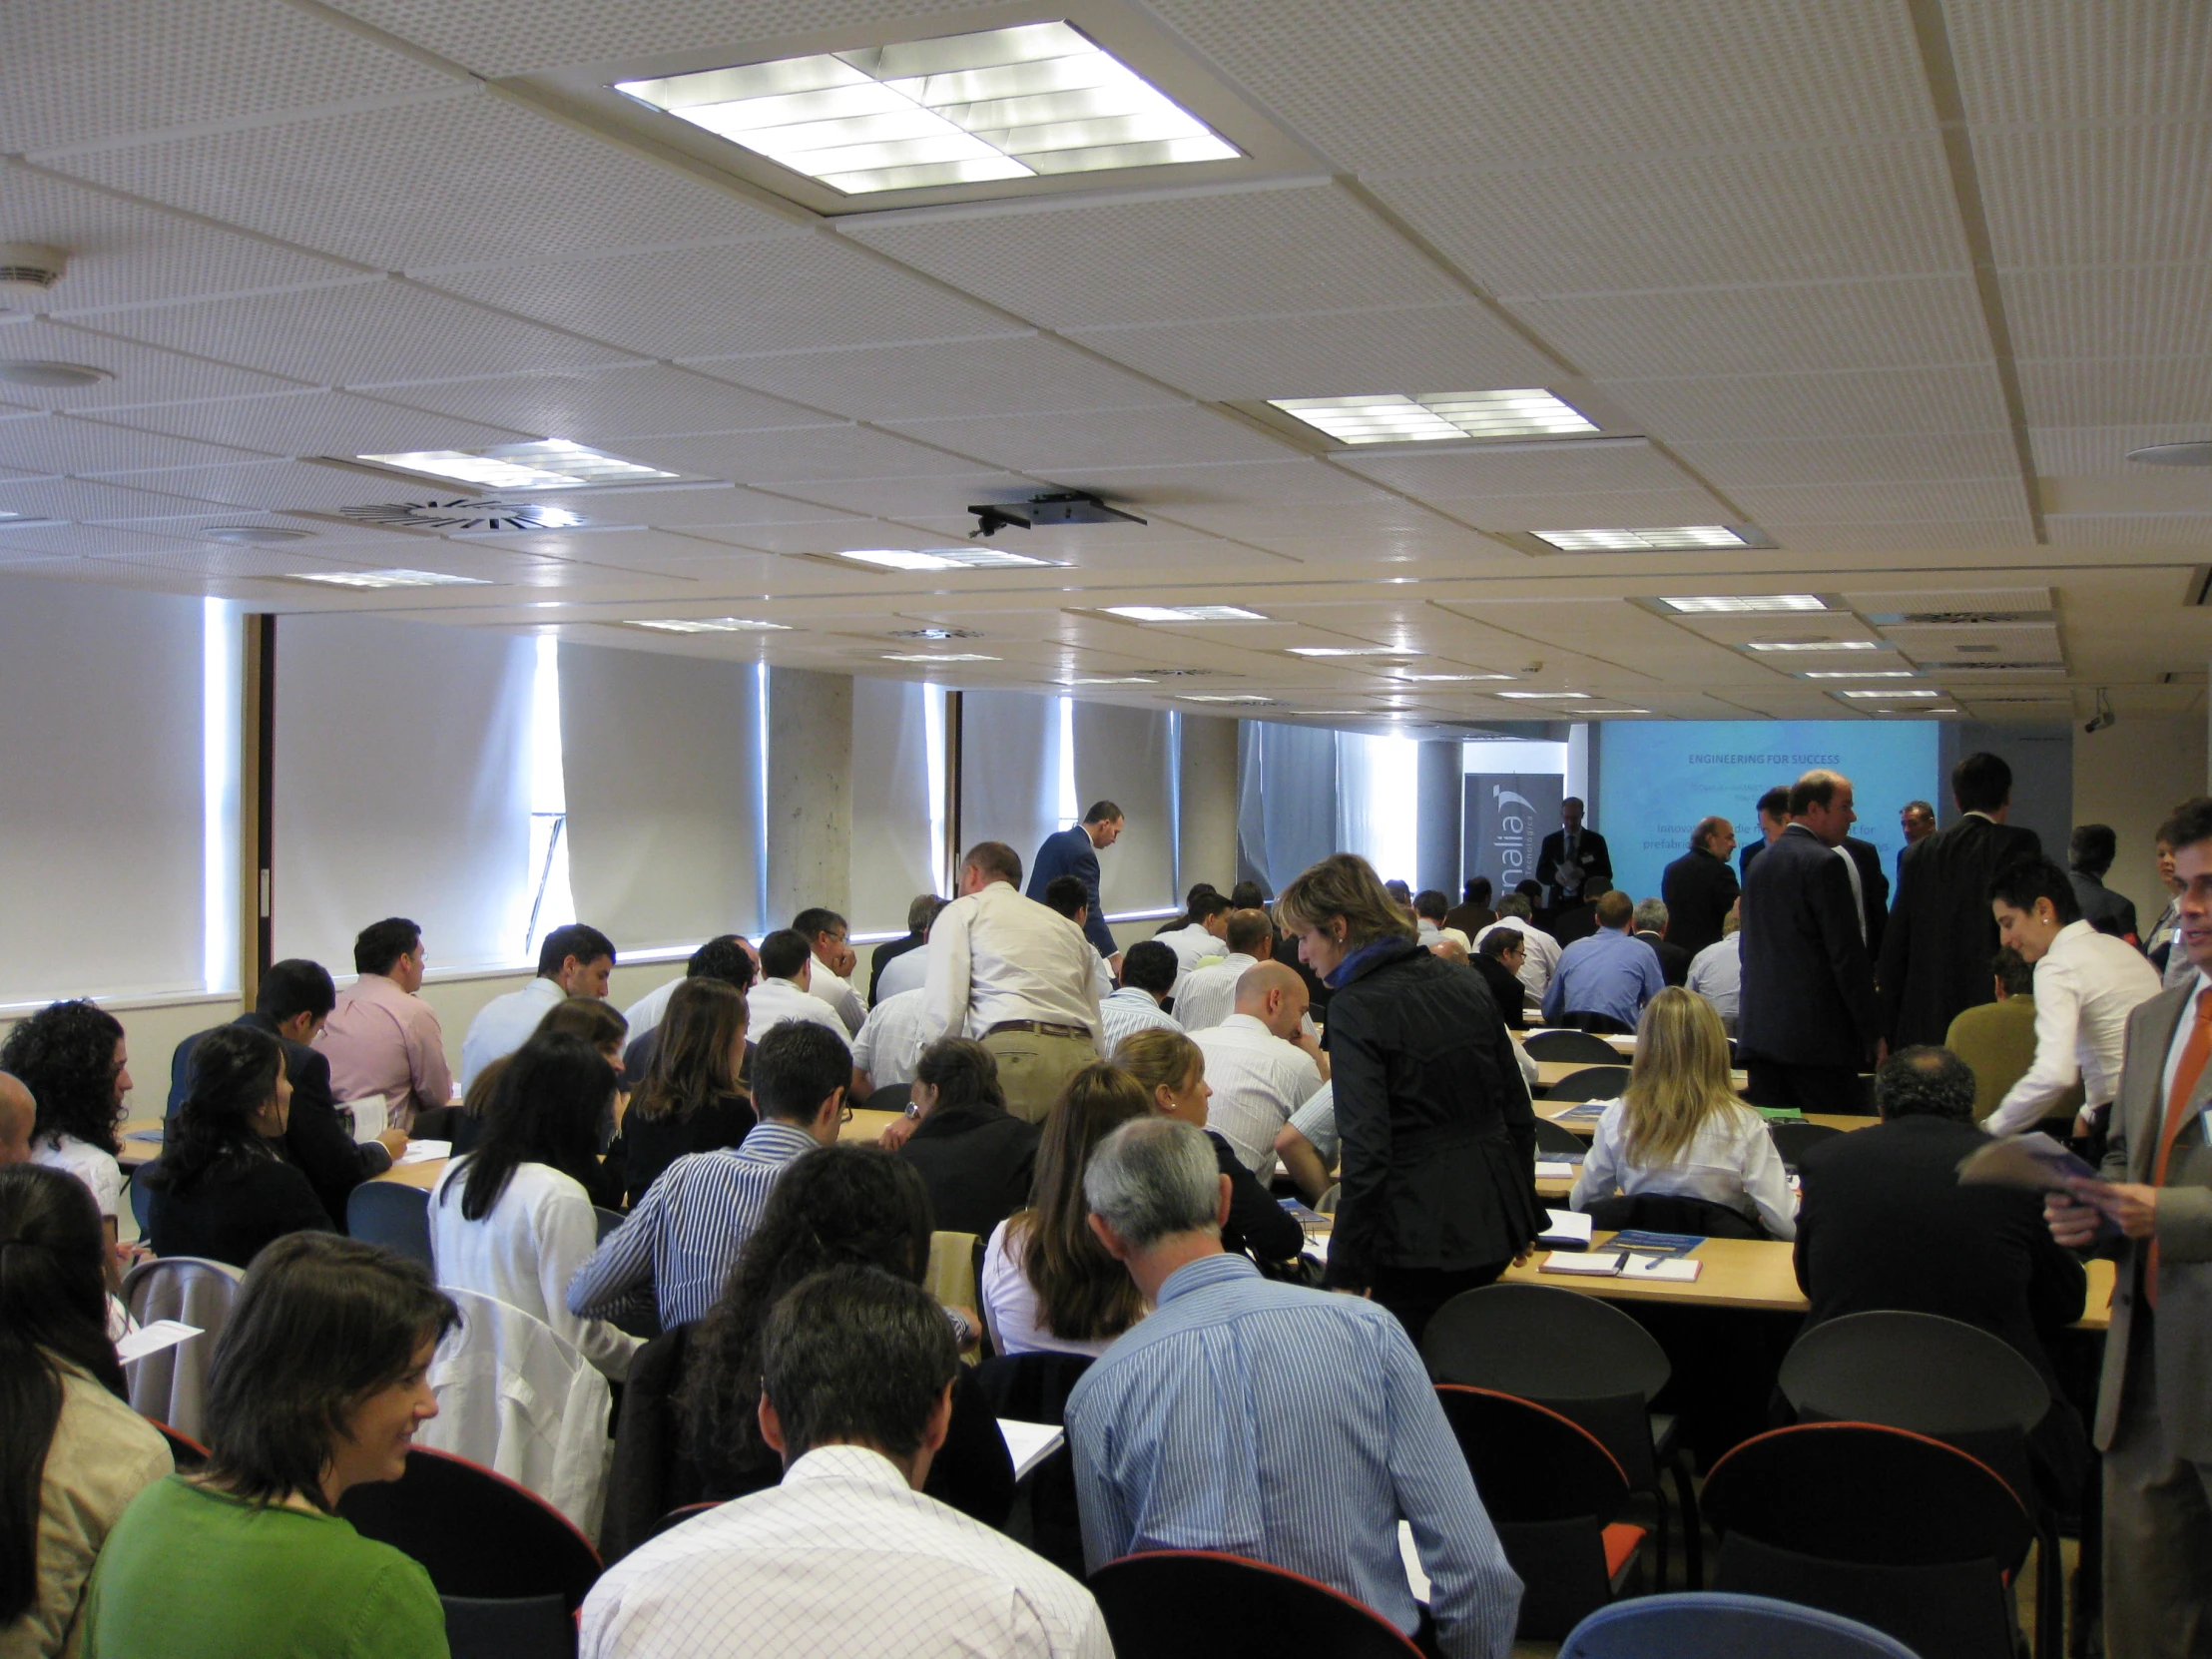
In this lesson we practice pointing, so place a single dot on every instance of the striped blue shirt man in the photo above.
(1295, 1427)
(678, 1243)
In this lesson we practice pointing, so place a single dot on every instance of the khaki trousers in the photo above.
(2158, 1528)
(1034, 1068)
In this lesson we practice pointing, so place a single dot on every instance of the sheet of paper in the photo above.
(1680, 1270)
(369, 1114)
(1554, 1169)
(1601, 1263)
(1030, 1443)
(1565, 1230)
(152, 1338)
(1416, 1579)
(424, 1152)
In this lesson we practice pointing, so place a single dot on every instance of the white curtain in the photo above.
(1009, 771)
(661, 758)
(1378, 801)
(1304, 793)
(1127, 756)
(897, 773)
(102, 802)
(403, 788)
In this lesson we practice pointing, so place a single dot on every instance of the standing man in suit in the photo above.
(1916, 818)
(1571, 856)
(1935, 959)
(1808, 1022)
(2154, 1415)
(1774, 818)
(1699, 886)
(1873, 887)
(1074, 852)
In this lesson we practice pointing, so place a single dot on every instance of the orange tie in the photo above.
(2193, 1056)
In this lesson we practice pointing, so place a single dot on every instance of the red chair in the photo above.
(1202, 1604)
(677, 1516)
(1552, 1492)
(480, 1537)
(185, 1452)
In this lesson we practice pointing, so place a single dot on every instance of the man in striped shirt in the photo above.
(1147, 975)
(1285, 1424)
(677, 1246)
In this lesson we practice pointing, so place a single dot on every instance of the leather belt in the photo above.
(1043, 1028)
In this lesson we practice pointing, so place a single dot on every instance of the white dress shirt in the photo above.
(996, 957)
(835, 989)
(1010, 1305)
(504, 1024)
(891, 1040)
(1717, 975)
(1192, 946)
(101, 1172)
(1208, 997)
(1258, 1080)
(1541, 954)
(905, 971)
(2087, 984)
(771, 1002)
(1731, 1160)
(645, 1013)
(1128, 1012)
(843, 1559)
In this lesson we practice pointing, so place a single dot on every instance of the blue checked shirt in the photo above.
(1295, 1427)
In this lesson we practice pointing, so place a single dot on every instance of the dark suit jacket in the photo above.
(1698, 889)
(1255, 1222)
(1597, 861)
(1575, 921)
(2104, 910)
(1874, 888)
(886, 953)
(1069, 852)
(1674, 961)
(1936, 951)
(1808, 998)
(1506, 990)
(232, 1210)
(1471, 919)
(977, 1162)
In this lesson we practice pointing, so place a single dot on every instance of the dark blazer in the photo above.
(1255, 1222)
(236, 1207)
(1874, 888)
(1439, 1140)
(1069, 852)
(886, 953)
(1936, 951)
(1471, 919)
(1808, 998)
(2104, 910)
(1598, 865)
(1698, 889)
(1506, 990)
(1674, 961)
(650, 1145)
(1575, 921)
(977, 1162)
(317, 1139)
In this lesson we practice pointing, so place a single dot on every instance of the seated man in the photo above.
(1472, 914)
(1500, 959)
(1996, 1039)
(978, 1158)
(846, 1556)
(726, 958)
(1608, 973)
(382, 1038)
(919, 914)
(890, 1042)
(834, 960)
(1208, 997)
(1717, 972)
(1199, 1427)
(783, 993)
(1261, 1064)
(1067, 894)
(573, 962)
(1541, 950)
(1203, 937)
(1147, 975)
(1651, 926)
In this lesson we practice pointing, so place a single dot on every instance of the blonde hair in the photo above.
(1159, 1060)
(1678, 1081)
(1344, 884)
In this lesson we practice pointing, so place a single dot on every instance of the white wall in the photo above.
(2131, 776)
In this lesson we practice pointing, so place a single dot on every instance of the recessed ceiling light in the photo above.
(1184, 613)
(1735, 604)
(1312, 712)
(1858, 674)
(1352, 651)
(1432, 416)
(960, 109)
(1816, 645)
(1616, 711)
(1670, 540)
(1456, 677)
(942, 558)
(1533, 697)
(34, 371)
(389, 579)
(940, 657)
(1219, 697)
(251, 536)
(711, 625)
(1111, 679)
(548, 464)
(1887, 694)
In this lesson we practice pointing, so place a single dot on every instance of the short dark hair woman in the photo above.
(690, 1099)
(73, 1454)
(72, 1057)
(1439, 1139)
(222, 1188)
(318, 1383)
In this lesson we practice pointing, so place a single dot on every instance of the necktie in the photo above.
(2193, 1056)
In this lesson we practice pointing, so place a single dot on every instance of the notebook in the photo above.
(1030, 1443)
(1565, 1230)
(152, 1338)
(1556, 1169)
(1656, 1244)
(1622, 1264)
(1603, 1264)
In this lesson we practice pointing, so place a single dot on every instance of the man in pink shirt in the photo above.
(382, 1038)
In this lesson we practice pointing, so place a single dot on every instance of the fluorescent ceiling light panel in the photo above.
(1184, 613)
(1352, 651)
(1858, 674)
(548, 464)
(1428, 417)
(389, 579)
(947, 657)
(1816, 645)
(1673, 539)
(1456, 677)
(960, 109)
(1533, 697)
(1738, 604)
(1616, 711)
(1888, 696)
(713, 625)
(945, 558)
(1111, 679)
(1219, 697)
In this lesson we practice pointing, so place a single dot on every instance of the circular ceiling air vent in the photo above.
(465, 513)
(935, 634)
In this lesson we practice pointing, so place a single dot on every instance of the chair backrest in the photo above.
(1571, 1046)
(950, 1275)
(606, 1218)
(1921, 1372)
(650, 1474)
(172, 1387)
(1590, 1083)
(1554, 1138)
(1946, 1610)
(677, 1516)
(436, 1123)
(393, 1215)
(1605, 1025)
(142, 1198)
(1199, 1604)
(1674, 1213)
(522, 1627)
(185, 1452)
(1531, 1463)
(1543, 1342)
(477, 1533)
(1795, 1140)
(1713, 1624)
(1030, 1387)
(891, 1097)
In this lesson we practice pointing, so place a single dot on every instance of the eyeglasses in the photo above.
(845, 1114)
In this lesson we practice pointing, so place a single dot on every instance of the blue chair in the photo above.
(1711, 1624)
(393, 1215)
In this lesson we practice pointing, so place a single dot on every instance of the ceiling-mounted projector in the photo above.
(1061, 507)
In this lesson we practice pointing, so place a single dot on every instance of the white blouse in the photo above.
(1731, 1160)
(98, 1169)
(1010, 1307)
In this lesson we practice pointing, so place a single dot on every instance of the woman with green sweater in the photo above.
(319, 1382)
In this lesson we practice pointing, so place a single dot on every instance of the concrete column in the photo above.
(810, 792)
(1206, 842)
(1439, 817)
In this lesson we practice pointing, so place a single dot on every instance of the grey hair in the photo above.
(1651, 915)
(1153, 1177)
(1513, 904)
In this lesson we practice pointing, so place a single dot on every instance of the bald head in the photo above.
(1275, 996)
(17, 1111)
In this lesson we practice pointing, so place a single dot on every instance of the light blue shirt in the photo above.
(1610, 972)
(1295, 1427)
(504, 1024)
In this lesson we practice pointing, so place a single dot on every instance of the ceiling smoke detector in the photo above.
(935, 634)
(251, 535)
(463, 513)
(27, 270)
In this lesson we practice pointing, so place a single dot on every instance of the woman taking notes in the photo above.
(1678, 1127)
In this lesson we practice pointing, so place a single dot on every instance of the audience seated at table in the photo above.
(1147, 976)
(1678, 1127)
(222, 1186)
(72, 1057)
(976, 1158)
(1049, 1285)
(1172, 1069)
(727, 957)
(690, 1099)
(513, 1218)
(76, 1452)
(1500, 959)
(382, 1038)
(592, 1021)
(1997, 1040)
(318, 1382)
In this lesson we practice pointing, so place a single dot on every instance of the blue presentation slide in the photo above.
(1657, 778)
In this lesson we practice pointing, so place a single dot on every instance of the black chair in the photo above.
(891, 1097)
(142, 1200)
(1896, 1530)
(1553, 1141)
(523, 1627)
(436, 1123)
(650, 1476)
(1673, 1213)
(185, 1452)
(1710, 1624)
(1795, 1140)
(478, 1534)
(1603, 1025)
(1585, 1360)
(1590, 1083)
(1200, 1604)
(1035, 1387)
(608, 1219)
(393, 1215)
(677, 1517)
(1552, 1490)
(1571, 1046)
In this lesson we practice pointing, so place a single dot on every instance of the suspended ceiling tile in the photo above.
(1924, 458)
(1887, 504)
(79, 541)
(1552, 468)
(274, 486)
(1774, 407)
(1025, 443)
(2114, 392)
(650, 399)
(819, 536)
(2145, 532)
(769, 458)
(2113, 195)
(913, 498)
(1017, 374)
(89, 502)
(140, 374)
(65, 444)
(2145, 312)
(235, 563)
(2071, 452)
(315, 424)
(2080, 60)
(1856, 535)
(685, 507)
(1280, 480)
